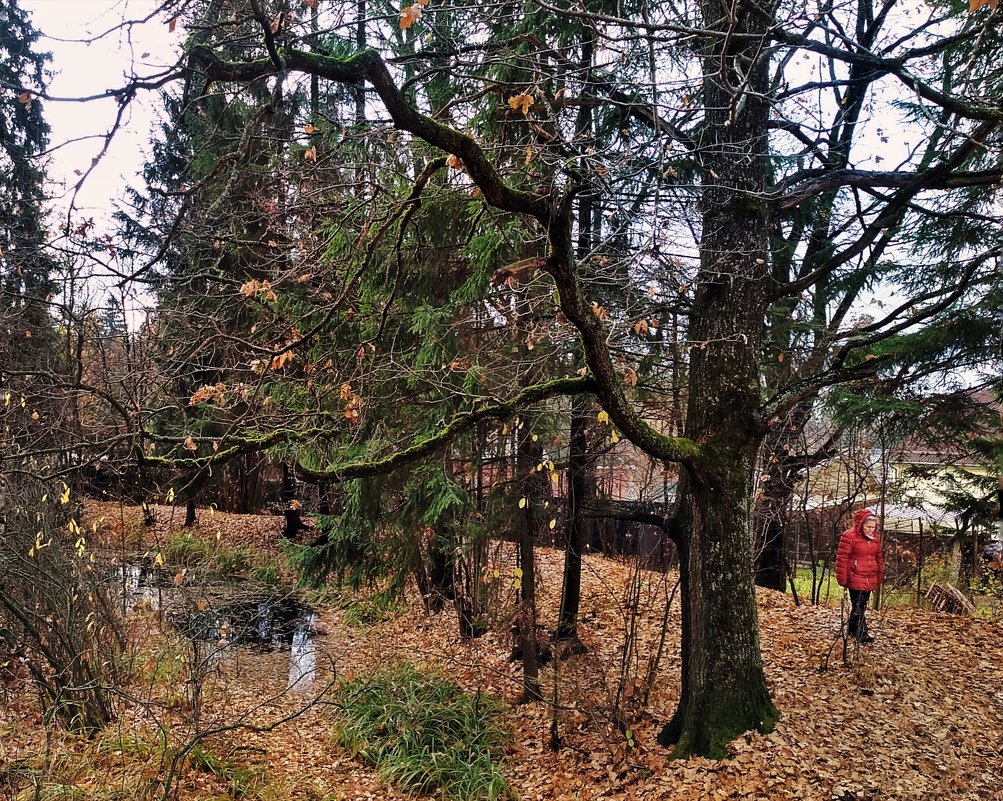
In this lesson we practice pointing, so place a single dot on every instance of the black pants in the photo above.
(857, 626)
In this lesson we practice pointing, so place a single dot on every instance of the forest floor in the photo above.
(918, 714)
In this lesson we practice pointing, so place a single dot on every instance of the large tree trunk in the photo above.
(724, 688)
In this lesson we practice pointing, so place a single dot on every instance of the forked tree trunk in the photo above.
(724, 688)
(770, 567)
(772, 513)
(783, 456)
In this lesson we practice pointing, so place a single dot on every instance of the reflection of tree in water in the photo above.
(140, 588)
(303, 655)
(227, 618)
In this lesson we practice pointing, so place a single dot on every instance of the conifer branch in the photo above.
(457, 425)
(369, 65)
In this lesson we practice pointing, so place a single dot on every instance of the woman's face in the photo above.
(870, 525)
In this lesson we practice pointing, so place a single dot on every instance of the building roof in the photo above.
(908, 518)
(976, 408)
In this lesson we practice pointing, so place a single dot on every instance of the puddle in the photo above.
(224, 615)
(303, 656)
(142, 586)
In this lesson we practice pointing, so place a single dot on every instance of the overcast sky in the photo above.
(87, 63)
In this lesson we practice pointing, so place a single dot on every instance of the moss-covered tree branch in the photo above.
(369, 65)
(232, 446)
(457, 425)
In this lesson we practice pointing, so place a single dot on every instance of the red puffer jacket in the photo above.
(859, 562)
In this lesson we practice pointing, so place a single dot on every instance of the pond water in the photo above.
(226, 616)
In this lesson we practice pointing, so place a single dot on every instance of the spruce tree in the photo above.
(726, 188)
(27, 347)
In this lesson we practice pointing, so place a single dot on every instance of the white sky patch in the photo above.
(92, 51)
(92, 54)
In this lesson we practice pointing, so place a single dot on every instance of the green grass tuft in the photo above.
(423, 734)
(186, 550)
(370, 611)
(61, 792)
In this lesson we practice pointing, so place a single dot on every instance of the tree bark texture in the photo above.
(529, 454)
(724, 688)
(580, 491)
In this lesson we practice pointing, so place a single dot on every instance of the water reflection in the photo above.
(225, 615)
(141, 588)
(303, 655)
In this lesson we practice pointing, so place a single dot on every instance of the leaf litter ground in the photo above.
(916, 715)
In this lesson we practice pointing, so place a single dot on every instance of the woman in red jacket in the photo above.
(860, 567)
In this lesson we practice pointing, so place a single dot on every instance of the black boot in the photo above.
(863, 636)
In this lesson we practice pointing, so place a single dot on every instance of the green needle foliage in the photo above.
(422, 733)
